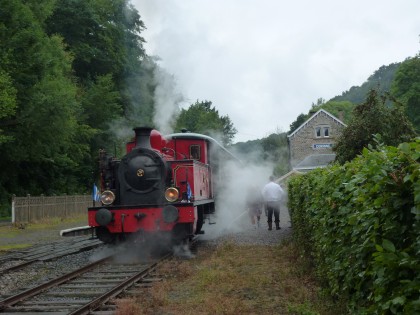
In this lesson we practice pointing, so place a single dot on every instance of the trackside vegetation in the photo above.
(360, 224)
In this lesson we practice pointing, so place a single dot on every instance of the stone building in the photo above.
(310, 145)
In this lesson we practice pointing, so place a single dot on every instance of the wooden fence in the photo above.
(30, 209)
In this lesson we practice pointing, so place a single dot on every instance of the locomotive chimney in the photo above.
(143, 137)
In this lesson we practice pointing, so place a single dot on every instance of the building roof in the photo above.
(286, 176)
(314, 161)
(197, 136)
(312, 117)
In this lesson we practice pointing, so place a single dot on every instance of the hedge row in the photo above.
(360, 223)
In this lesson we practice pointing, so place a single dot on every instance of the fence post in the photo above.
(28, 201)
(13, 208)
(43, 206)
(65, 206)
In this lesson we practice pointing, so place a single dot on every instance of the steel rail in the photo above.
(10, 301)
(18, 266)
(96, 303)
(47, 256)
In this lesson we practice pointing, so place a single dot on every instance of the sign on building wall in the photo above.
(322, 145)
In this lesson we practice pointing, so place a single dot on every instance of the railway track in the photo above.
(91, 287)
(20, 259)
(80, 291)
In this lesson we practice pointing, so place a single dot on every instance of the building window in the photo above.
(322, 131)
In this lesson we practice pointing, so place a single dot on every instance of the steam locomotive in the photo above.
(162, 186)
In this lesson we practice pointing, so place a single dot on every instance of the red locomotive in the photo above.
(162, 186)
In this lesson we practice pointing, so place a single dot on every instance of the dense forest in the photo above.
(67, 69)
(381, 80)
(75, 77)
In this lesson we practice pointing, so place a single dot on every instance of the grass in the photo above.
(233, 279)
(18, 236)
(5, 248)
(52, 223)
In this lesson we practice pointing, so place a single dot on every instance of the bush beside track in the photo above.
(360, 224)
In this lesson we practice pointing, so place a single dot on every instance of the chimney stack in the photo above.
(143, 137)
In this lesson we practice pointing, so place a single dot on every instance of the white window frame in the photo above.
(320, 131)
(327, 129)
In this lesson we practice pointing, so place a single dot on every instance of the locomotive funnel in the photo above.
(143, 137)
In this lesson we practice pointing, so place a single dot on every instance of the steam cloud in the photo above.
(231, 211)
(167, 101)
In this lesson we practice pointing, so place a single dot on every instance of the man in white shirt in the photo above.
(272, 194)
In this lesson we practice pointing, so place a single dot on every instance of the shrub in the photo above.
(360, 223)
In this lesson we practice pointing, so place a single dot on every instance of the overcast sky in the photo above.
(264, 62)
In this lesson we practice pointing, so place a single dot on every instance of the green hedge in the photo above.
(360, 223)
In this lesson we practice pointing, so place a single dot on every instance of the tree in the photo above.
(201, 117)
(276, 150)
(100, 33)
(369, 119)
(43, 128)
(320, 101)
(104, 36)
(406, 88)
(380, 80)
(343, 110)
(7, 103)
(114, 74)
(297, 123)
(101, 106)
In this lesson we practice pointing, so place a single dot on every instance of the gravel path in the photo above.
(242, 232)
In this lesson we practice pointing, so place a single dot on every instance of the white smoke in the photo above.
(103, 252)
(231, 211)
(167, 101)
(183, 251)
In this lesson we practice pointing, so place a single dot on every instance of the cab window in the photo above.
(195, 152)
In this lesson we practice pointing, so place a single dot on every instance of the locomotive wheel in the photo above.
(182, 235)
(104, 235)
(182, 247)
(200, 221)
(181, 232)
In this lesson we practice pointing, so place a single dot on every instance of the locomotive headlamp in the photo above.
(172, 194)
(107, 197)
